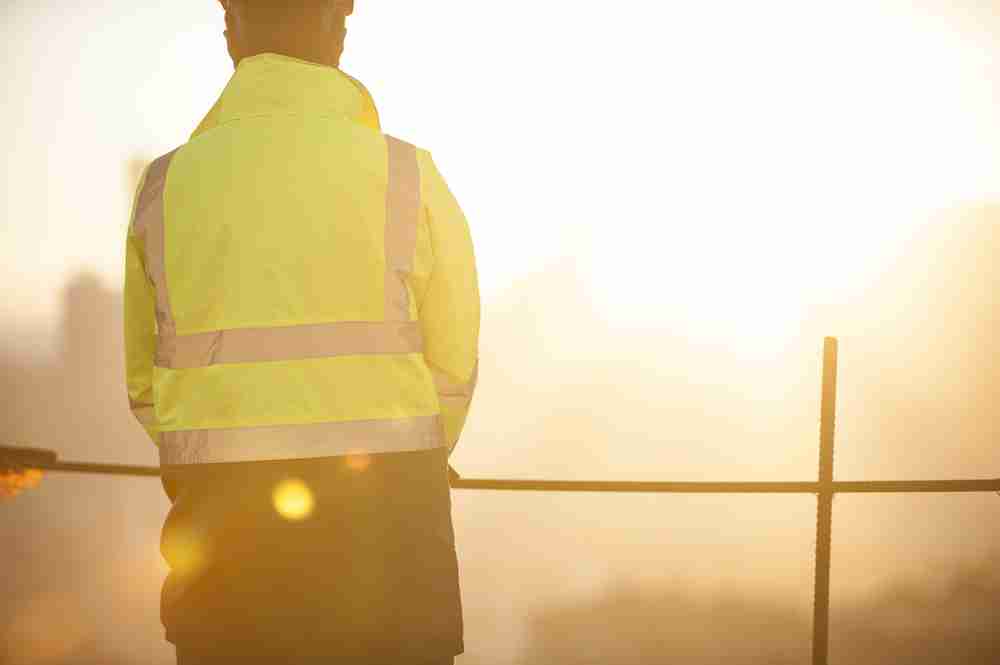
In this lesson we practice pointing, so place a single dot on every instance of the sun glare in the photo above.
(820, 147)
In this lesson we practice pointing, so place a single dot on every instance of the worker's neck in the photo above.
(303, 51)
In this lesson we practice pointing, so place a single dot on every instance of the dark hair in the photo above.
(307, 29)
(264, 10)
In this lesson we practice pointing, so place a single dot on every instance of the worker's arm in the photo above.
(139, 299)
(449, 310)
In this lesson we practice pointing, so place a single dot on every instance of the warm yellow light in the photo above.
(293, 499)
(183, 551)
(13, 482)
(796, 181)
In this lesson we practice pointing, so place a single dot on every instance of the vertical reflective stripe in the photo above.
(149, 226)
(402, 208)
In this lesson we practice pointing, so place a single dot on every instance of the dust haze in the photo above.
(586, 578)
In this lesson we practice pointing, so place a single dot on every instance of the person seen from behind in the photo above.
(301, 343)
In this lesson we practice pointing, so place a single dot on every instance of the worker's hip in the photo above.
(327, 557)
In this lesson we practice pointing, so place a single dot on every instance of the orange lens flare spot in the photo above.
(358, 461)
(293, 499)
(13, 482)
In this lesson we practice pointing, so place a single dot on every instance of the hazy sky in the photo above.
(664, 147)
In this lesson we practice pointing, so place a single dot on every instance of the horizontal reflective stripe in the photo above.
(309, 390)
(250, 444)
(321, 340)
(447, 387)
(145, 415)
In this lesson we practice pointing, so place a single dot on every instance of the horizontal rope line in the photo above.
(837, 487)
(110, 469)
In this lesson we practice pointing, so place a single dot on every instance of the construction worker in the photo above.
(301, 338)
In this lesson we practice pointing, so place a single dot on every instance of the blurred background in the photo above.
(672, 204)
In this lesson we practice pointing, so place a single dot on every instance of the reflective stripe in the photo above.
(399, 333)
(241, 345)
(454, 397)
(402, 209)
(446, 387)
(148, 225)
(145, 415)
(248, 444)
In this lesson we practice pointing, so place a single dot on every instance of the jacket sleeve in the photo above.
(139, 303)
(449, 310)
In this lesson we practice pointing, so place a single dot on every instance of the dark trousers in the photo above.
(368, 577)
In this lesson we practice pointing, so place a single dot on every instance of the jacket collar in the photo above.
(274, 83)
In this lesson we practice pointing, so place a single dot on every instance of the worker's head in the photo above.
(308, 29)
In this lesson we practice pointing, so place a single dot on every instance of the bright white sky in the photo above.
(742, 147)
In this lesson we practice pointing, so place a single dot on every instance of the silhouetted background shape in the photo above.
(601, 578)
(80, 552)
(629, 624)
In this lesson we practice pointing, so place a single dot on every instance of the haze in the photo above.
(671, 204)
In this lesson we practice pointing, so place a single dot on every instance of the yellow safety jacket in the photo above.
(297, 283)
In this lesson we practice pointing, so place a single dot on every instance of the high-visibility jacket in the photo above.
(297, 283)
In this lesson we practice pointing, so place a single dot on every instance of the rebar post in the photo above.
(824, 505)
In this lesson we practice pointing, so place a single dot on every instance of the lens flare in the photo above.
(13, 482)
(358, 460)
(183, 551)
(293, 499)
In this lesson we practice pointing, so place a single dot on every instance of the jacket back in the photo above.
(298, 284)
